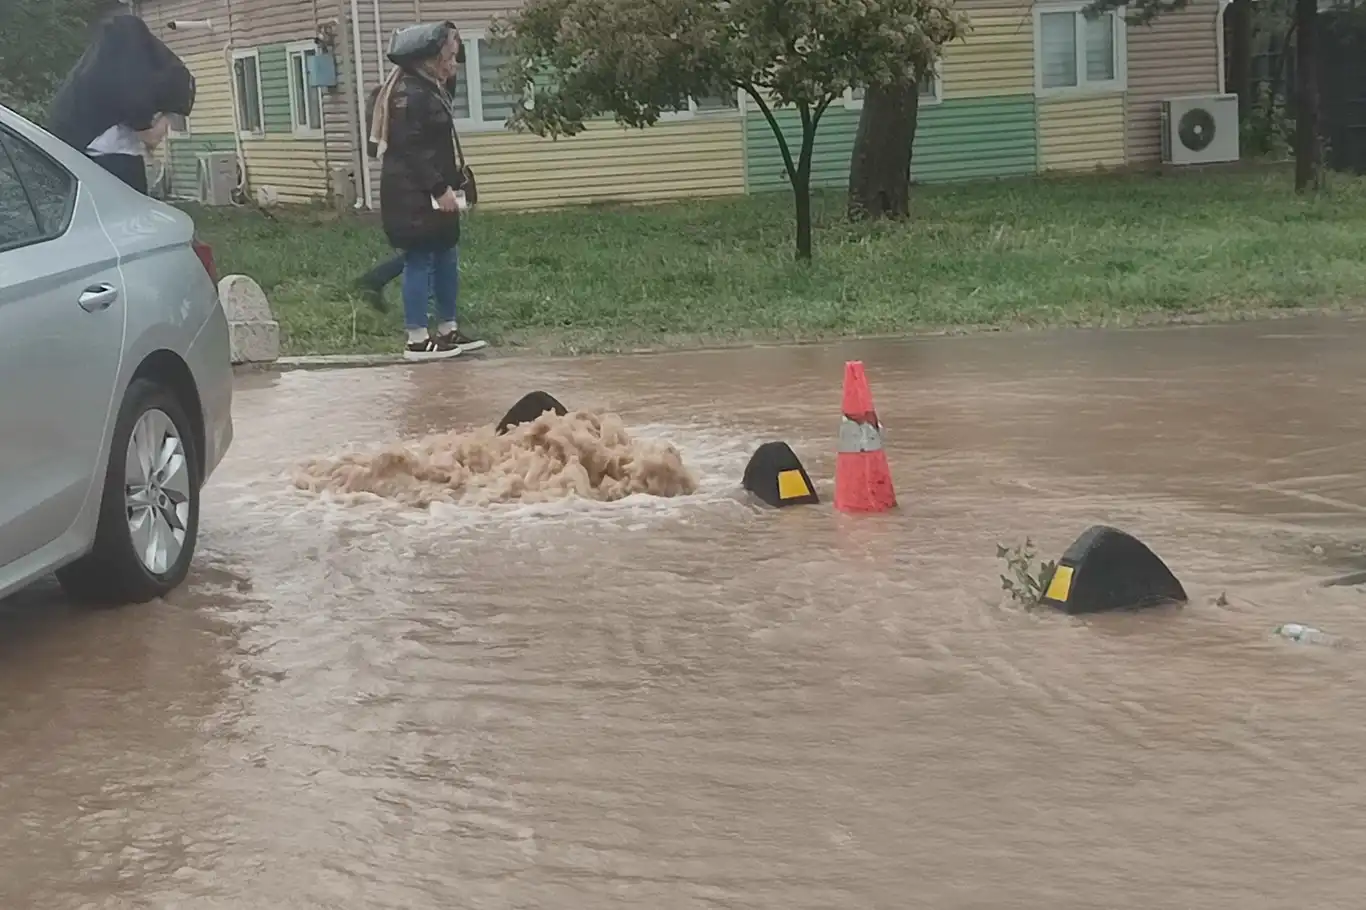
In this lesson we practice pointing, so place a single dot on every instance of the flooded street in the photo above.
(697, 703)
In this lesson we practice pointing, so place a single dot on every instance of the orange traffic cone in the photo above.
(863, 481)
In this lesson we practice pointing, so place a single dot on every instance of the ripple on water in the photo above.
(689, 702)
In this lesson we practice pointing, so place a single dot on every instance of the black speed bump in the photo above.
(776, 476)
(1107, 569)
(531, 406)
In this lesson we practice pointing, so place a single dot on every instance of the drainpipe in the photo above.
(379, 44)
(1219, 44)
(237, 144)
(357, 67)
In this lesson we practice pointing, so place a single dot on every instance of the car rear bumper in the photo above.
(210, 361)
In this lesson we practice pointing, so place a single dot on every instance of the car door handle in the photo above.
(98, 297)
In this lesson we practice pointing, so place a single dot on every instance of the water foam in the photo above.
(583, 455)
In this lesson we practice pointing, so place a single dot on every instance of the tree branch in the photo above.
(821, 109)
(777, 131)
(808, 143)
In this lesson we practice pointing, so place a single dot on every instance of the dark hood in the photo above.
(126, 75)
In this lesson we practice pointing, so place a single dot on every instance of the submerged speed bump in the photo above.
(1106, 569)
(776, 476)
(531, 406)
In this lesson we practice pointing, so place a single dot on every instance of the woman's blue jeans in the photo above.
(430, 274)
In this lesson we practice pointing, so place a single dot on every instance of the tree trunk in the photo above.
(1308, 148)
(801, 193)
(880, 169)
(1238, 30)
(801, 190)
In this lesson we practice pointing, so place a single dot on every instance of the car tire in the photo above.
(138, 553)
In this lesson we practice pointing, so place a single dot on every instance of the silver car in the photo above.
(115, 376)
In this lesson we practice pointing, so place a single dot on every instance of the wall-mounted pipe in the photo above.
(358, 71)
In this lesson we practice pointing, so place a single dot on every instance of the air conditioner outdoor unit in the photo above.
(1200, 129)
(217, 178)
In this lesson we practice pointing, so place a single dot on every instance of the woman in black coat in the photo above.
(421, 191)
(371, 285)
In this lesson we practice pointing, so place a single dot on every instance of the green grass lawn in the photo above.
(1087, 250)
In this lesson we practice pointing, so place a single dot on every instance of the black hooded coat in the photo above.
(126, 76)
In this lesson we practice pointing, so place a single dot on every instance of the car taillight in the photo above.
(205, 254)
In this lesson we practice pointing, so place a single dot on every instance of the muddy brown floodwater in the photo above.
(692, 703)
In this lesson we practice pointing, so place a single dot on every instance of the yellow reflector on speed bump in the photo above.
(1061, 585)
(792, 485)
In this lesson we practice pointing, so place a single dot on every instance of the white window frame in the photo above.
(693, 112)
(301, 49)
(253, 54)
(936, 78)
(1084, 86)
(473, 83)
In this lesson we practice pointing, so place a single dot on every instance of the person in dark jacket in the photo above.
(422, 182)
(113, 103)
(371, 285)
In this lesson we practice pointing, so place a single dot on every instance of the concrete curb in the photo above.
(513, 350)
(337, 361)
(254, 333)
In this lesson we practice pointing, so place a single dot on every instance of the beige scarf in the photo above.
(379, 117)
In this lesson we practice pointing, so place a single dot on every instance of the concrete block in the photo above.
(255, 334)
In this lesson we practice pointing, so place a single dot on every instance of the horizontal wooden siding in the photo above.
(1081, 134)
(293, 170)
(606, 163)
(1176, 55)
(997, 55)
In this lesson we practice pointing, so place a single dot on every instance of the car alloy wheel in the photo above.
(157, 491)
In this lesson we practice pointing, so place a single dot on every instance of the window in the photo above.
(497, 105)
(477, 84)
(716, 104)
(711, 104)
(18, 221)
(246, 76)
(1076, 53)
(480, 102)
(37, 194)
(931, 91)
(305, 101)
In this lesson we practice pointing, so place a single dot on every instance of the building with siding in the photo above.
(1035, 87)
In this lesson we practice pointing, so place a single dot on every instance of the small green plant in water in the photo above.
(1025, 581)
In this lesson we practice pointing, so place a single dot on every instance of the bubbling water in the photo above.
(584, 454)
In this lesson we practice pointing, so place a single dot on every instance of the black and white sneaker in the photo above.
(464, 343)
(431, 349)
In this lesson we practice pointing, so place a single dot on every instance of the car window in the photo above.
(51, 187)
(18, 223)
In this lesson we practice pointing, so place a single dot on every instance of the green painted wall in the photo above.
(275, 89)
(955, 140)
(976, 137)
(185, 160)
(829, 162)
